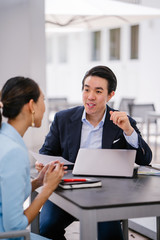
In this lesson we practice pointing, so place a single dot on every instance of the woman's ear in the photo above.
(31, 105)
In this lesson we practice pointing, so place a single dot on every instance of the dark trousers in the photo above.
(53, 221)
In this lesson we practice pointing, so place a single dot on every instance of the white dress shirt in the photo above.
(91, 137)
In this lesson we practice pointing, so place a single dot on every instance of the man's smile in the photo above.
(91, 105)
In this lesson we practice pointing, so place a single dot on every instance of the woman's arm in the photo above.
(52, 176)
(38, 182)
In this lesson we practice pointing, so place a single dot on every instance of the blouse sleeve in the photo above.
(15, 181)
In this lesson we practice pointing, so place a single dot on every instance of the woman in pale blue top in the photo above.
(22, 102)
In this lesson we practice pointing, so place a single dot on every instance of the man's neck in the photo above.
(94, 119)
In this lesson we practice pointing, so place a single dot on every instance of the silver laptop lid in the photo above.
(105, 162)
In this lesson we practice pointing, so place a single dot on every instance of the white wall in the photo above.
(136, 78)
(64, 79)
(22, 49)
(149, 3)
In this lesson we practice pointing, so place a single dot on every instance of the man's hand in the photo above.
(121, 120)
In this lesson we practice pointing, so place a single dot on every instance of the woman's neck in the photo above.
(20, 126)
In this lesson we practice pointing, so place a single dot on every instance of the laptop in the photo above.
(105, 162)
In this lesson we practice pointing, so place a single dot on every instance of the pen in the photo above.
(74, 180)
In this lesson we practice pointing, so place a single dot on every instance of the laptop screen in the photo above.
(105, 162)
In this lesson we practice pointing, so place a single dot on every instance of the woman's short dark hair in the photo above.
(16, 92)
(103, 72)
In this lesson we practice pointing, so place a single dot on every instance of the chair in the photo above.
(139, 113)
(15, 234)
(55, 105)
(124, 104)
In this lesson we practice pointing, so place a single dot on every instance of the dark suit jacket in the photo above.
(64, 136)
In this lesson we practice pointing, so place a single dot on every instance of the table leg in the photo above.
(88, 226)
(156, 141)
(158, 228)
(35, 222)
(125, 228)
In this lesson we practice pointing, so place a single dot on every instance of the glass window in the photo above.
(49, 49)
(115, 44)
(96, 45)
(131, 1)
(134, 42)
(62, 48)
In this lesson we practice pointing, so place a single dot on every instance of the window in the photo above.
(96, 45)
(134, 42)
(49, 49)
(131, 1)
(62, 48)
(115, 44)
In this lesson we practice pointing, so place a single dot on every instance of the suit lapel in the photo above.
(74, 133)
(109, 131)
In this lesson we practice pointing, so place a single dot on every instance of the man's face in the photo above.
(95, 95)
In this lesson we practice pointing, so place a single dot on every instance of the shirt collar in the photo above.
(11, 132)
(84, 120)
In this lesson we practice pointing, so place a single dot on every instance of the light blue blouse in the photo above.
(15, 184)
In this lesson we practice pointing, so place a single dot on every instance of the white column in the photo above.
(22, 50)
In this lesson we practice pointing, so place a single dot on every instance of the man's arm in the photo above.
(128, 125)
(51, 144)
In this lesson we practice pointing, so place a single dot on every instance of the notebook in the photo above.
(80, 183)
(105, 162)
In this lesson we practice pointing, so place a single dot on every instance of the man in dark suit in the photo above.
(94, 125)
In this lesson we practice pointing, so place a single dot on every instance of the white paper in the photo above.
(45, 159)
(144, 170)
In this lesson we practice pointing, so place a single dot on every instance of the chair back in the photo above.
(139, 111)
(16, 234)
(124, 104)
(57, 104)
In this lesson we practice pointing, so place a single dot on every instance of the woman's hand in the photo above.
(49, 177)
(39, 166)
(41, 175)
(53, 175)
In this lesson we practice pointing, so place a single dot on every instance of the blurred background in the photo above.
(56, 41)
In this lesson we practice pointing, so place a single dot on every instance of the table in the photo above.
(117, 199)
(150, 117)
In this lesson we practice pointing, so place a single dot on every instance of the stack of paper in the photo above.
(149, 170)
(45, 159)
